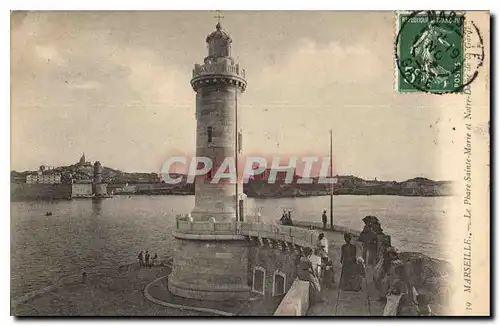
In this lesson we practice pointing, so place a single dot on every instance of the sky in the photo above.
(115, 85)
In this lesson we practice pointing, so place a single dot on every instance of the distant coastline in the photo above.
(123, 183)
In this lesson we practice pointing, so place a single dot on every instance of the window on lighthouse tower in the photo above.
(210, 134)
(240, 139)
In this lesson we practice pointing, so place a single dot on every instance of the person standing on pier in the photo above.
(141, 259)
(348, 261)
(147, 258)
(369, 239)
(328, 274)
(324, 219)
(322, 245)
(359, 274)
(316, 262)
(385, 275)
(155, 258)
(284, 217)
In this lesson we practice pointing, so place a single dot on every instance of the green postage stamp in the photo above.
(430, 52)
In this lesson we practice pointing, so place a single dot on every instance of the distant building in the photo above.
(46, 168)
(280, 176)
(126, 189)
(43, 178)
(81, 189)
(83, 162)
(83, 171)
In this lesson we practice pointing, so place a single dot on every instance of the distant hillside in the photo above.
(351, 185)
(85, 172)
(150, 184)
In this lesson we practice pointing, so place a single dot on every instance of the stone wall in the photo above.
(273, 261)
(296, 301)
(81, 189)
(24, 191)
(216, 260)
(211, 270)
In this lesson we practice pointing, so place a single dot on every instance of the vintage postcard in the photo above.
(250, 163)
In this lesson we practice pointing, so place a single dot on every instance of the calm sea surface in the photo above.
(95, 235)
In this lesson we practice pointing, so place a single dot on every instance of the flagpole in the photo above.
(331, 182)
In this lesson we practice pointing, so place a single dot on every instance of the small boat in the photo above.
(48, 214)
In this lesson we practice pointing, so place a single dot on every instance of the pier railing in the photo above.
(218, 229)
(319, 226)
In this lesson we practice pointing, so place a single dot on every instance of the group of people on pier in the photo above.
(390, 274)
(286, 217)
(316, 267)
(146, 260)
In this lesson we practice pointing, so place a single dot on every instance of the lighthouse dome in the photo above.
(219, 43)
(219, 33)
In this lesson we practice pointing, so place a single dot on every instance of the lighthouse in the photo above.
(210, 261)
(99, 188)
(218, 83)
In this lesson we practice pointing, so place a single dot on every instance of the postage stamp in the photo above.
(430, 52)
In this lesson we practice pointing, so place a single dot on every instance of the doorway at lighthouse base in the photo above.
(220, 270)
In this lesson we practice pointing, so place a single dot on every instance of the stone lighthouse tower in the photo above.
(218, 83)
(100, 188)
(209, 262)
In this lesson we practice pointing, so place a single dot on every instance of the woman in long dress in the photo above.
(349, 265)
(369, 239)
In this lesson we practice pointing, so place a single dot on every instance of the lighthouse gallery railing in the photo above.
(296, 235)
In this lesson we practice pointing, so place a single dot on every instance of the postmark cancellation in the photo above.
(438, 52)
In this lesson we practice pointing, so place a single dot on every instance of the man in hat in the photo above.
(324, 219)
(140, 256)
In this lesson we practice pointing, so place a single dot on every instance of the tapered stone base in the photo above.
(223, 214)
(192, 291)
(210, 270)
